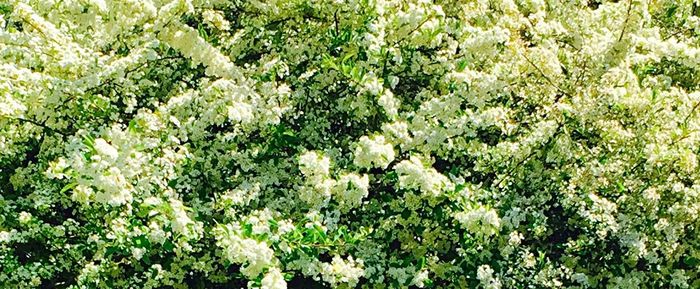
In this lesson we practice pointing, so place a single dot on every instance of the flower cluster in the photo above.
(349, 144)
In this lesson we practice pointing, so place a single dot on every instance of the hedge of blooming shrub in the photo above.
(349, 144)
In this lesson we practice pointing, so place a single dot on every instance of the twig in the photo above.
(685, 120)
(627, 18)
(547, 78)
(44, 126)
(531, 154)
(335, 17)
(413, 30)
(580, 75)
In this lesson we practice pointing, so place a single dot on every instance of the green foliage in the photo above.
(349, 144)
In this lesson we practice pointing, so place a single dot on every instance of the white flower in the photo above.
(89, 270)
(105, 149)
(313, 164)
(389, 103)
(101, 5)
(485, 274)
(373, 151)
(285, 226)
(420, 278)
(156, 234)
(257, 255)
(216, 19)
(480, 221)
(137, 253)
(372, 85)
(413, 174)
(317, 192)
(273, 280)
(24, 217)
(515, 238)
(340, 271)
(57, 169)
(4, 236)
(529, 260)
(180, 222)
(186, 39)
(393, 81)
(350, 189)
(82, 194)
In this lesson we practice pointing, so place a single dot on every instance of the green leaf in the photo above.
(168, 246)
(347, 58)
(461, 65)
(247, 230)
(328, 62)
(134, 126)
(620, 187)
(68, 187)
(320, 232)
(111, 250)
(671, 10)
(691, 261)
(142, 242)
(290, 138)
(421, 262)
(273, 224)
(89, 141)
(202, 32)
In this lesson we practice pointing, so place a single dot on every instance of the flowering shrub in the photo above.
(349, 144)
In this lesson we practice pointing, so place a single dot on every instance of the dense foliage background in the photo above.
(349, 144)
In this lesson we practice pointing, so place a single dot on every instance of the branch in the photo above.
(413, 30)
(44, 126)
(685, 120)
(547, 79)
(532, 153)
(335, 17)
(627, 18)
